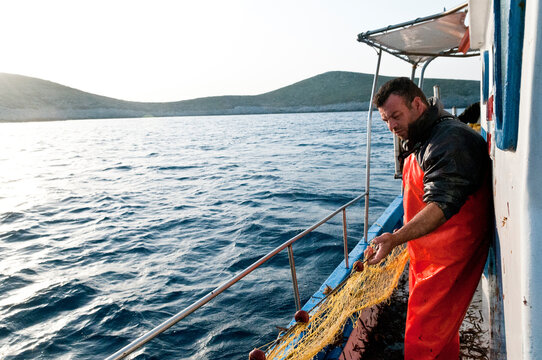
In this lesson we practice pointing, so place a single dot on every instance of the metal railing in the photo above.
(142, 340)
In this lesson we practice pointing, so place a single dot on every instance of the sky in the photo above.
(170, 50)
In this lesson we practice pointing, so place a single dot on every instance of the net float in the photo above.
(301, 316)
(358, 266)
(256, 354)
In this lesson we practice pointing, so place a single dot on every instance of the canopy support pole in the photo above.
(422, 74)
(413, 73)
(368, 149)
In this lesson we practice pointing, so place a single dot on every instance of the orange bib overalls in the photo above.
(444, 271)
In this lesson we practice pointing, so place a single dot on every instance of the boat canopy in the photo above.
(423, 39)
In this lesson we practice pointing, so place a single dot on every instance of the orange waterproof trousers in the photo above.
(445, 268)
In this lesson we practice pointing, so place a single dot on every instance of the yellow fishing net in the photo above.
(359, 291)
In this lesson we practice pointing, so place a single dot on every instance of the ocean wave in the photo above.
(19, 235)
(10, 217)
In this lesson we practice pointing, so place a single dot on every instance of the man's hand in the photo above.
(427, 220)
(383, 244)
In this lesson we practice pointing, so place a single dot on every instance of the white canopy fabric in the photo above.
(421, 39)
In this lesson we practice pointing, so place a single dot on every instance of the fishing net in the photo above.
(358, 291)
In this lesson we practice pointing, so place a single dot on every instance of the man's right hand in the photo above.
(383, 244)
(425, 221)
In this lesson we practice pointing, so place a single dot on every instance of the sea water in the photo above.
(109, 227)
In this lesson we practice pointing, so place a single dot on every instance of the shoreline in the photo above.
(210, 114)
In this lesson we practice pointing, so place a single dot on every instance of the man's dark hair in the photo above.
(403, 87)
(471, 114)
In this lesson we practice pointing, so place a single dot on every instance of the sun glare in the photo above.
(20, 173)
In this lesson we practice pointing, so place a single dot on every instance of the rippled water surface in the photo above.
(109, 227)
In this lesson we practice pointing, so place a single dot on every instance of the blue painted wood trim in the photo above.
(492, 273)
(507, 88)
(485, 76)
(483, 132)
(497, 65)
(391, 219)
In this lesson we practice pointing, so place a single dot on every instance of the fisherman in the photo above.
(447, 217)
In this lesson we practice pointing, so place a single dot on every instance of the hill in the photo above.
(26, 99)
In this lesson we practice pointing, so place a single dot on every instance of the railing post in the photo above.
(345, 238)
(436, 91)
(294, 278)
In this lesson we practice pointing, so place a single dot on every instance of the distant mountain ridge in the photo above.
(24, 98)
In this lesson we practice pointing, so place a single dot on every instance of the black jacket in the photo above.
(453, 157)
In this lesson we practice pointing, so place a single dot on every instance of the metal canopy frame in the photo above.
(368, 38)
